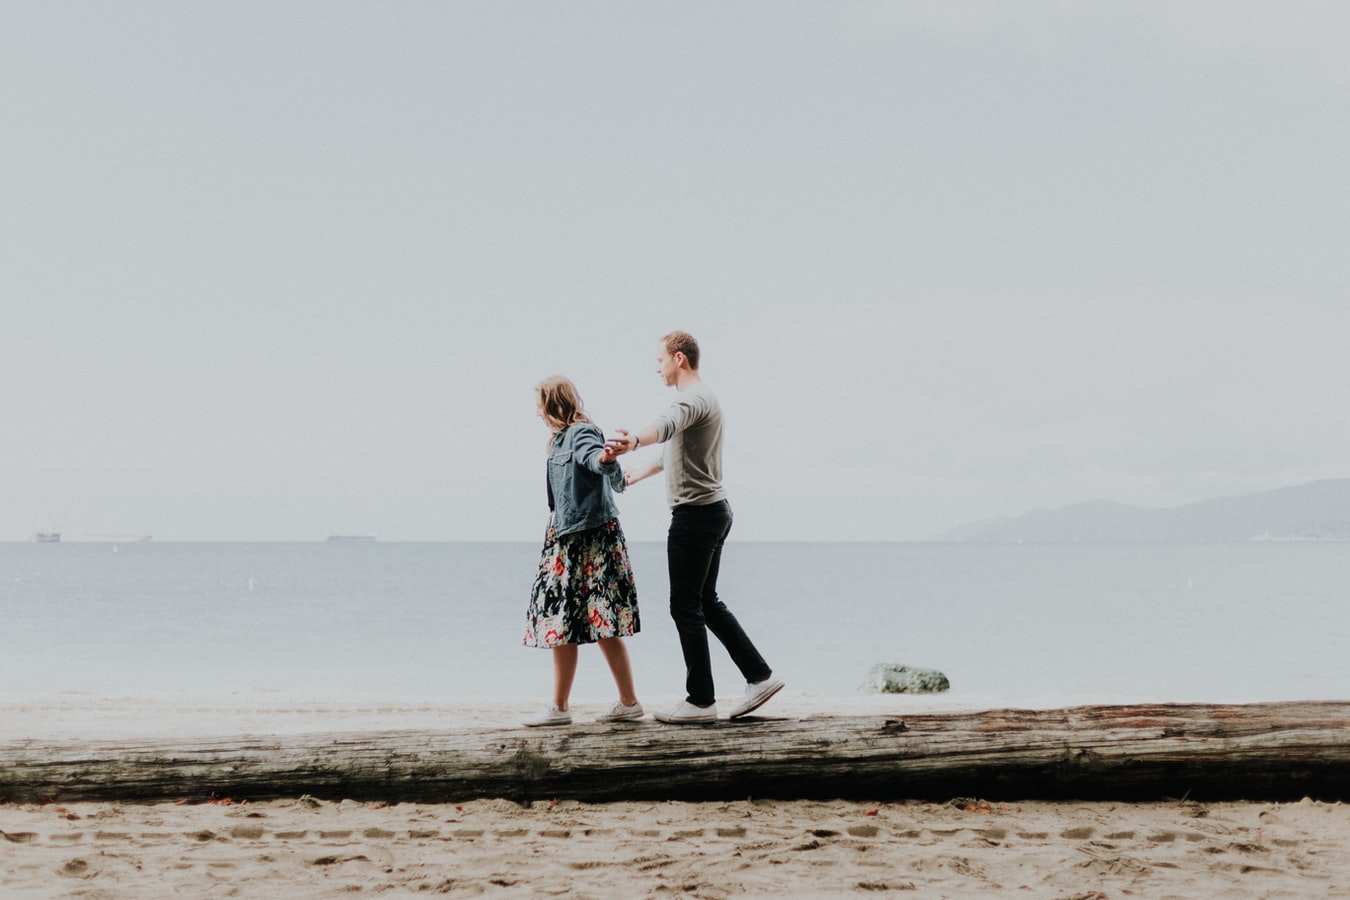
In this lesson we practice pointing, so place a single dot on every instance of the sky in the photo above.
(274, 271)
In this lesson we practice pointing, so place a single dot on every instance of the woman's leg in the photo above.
(616, 654)
(564, 670)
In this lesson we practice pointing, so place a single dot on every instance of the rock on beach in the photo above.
(891, 678)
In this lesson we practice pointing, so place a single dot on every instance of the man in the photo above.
(691, 432)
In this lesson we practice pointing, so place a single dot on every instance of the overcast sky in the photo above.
(273, 271)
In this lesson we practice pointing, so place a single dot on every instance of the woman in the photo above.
(584, 591)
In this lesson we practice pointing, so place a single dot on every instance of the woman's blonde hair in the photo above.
(560, 402)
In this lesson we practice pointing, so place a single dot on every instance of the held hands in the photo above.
(618, 446)
(626, 442)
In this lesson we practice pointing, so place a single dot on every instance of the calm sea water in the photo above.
(1017, 624)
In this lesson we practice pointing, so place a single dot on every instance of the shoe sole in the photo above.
(756, 703)
(712, 721)
(608, 719)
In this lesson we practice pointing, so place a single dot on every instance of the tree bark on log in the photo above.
(1266, 751)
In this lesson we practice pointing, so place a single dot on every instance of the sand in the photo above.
(495, 848)
(306, 847)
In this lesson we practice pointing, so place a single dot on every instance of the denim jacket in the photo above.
(579, 482)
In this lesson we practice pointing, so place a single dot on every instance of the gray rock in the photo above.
(889, 678)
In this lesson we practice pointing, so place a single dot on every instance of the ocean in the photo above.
(1008, 624)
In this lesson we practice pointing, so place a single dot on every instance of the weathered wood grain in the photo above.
(1268, 751)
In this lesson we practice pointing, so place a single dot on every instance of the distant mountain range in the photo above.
(1318, 511)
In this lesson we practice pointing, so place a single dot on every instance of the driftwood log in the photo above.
(1268, 751)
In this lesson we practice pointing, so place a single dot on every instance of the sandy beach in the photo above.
(962, 848)
(322, 847)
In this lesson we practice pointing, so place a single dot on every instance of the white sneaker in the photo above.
(549, 715)
(620, 713)
(756, 695)
(687, 713)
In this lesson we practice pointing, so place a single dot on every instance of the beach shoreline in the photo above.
(75, 715)
(82, 715)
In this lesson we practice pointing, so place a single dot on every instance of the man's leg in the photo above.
(691, 546)
(722, 622)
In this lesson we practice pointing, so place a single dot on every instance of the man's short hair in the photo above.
(683, 342)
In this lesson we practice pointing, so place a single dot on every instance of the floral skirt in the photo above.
(584, 590)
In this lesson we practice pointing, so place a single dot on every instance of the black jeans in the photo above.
(694, 555)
